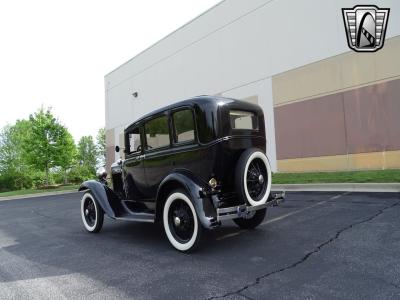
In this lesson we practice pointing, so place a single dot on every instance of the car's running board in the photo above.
(137, 217)
(126, 214)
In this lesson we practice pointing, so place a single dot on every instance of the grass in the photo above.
(38, 191)
(380, 176)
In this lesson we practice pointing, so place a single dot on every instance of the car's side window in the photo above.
(183, 125)
(157, 132)
(134, 141)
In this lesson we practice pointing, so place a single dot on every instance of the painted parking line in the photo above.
(229, 235)
(303, 209)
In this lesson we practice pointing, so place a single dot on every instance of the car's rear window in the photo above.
(240, 119)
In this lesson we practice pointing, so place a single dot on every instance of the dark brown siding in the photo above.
(310, 128)
(373, 117)
(365, 119)
(110, 157)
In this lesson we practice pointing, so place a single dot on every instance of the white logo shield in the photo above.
(365, 27)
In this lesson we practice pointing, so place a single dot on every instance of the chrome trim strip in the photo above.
(230, 209)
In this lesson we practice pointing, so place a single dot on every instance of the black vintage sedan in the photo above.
(189, 166)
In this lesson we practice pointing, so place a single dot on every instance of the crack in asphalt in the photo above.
(305, 257)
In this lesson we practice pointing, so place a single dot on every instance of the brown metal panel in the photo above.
(110, 157)
(373, 117)
(310, 128)
(366, 119)
(391, 113)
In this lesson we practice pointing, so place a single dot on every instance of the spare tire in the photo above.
(253, 177)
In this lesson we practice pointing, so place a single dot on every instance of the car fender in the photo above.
(202, 204)
(102, 193)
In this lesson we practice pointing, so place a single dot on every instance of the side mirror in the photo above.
(117, 149)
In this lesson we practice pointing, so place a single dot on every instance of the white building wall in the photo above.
(232, 49)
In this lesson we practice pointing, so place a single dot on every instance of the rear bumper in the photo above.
(233, 212)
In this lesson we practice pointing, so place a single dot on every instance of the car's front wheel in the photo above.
(181, 223)
(92, 213)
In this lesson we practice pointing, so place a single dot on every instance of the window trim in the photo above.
(162, 114)
(173, 131)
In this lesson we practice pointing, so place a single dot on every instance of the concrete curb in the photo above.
(38, 195)
(339, 187)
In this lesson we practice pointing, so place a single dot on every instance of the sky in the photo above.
(56, 53)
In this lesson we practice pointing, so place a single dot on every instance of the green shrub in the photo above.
(39, 179)
(15, 181)
(80, 173)
(59, 176)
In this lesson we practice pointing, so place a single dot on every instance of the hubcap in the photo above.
(260, 179)
(177, 221)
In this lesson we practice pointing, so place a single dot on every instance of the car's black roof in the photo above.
(201, 101)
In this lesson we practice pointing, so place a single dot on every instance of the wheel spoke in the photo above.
(258, 168)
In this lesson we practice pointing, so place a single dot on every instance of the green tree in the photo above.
(101, 147)
(14, 169)
(44, 146)
(66, 151)
(87, 154)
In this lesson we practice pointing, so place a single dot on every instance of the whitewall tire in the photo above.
(180, 222)
(253, 177)
(92, 214)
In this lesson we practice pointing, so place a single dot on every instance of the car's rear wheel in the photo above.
(92, 213)
(181, 223)
(253, 177)
(252, 219)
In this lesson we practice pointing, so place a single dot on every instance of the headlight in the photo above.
(100, 172)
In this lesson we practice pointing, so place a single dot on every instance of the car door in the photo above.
(186, 151)
(133, 169)
(157, 161)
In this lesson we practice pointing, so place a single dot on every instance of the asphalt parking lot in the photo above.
(314, 246)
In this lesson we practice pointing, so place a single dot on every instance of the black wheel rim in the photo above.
(257, 179)
(181, 221)
(89, 211)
